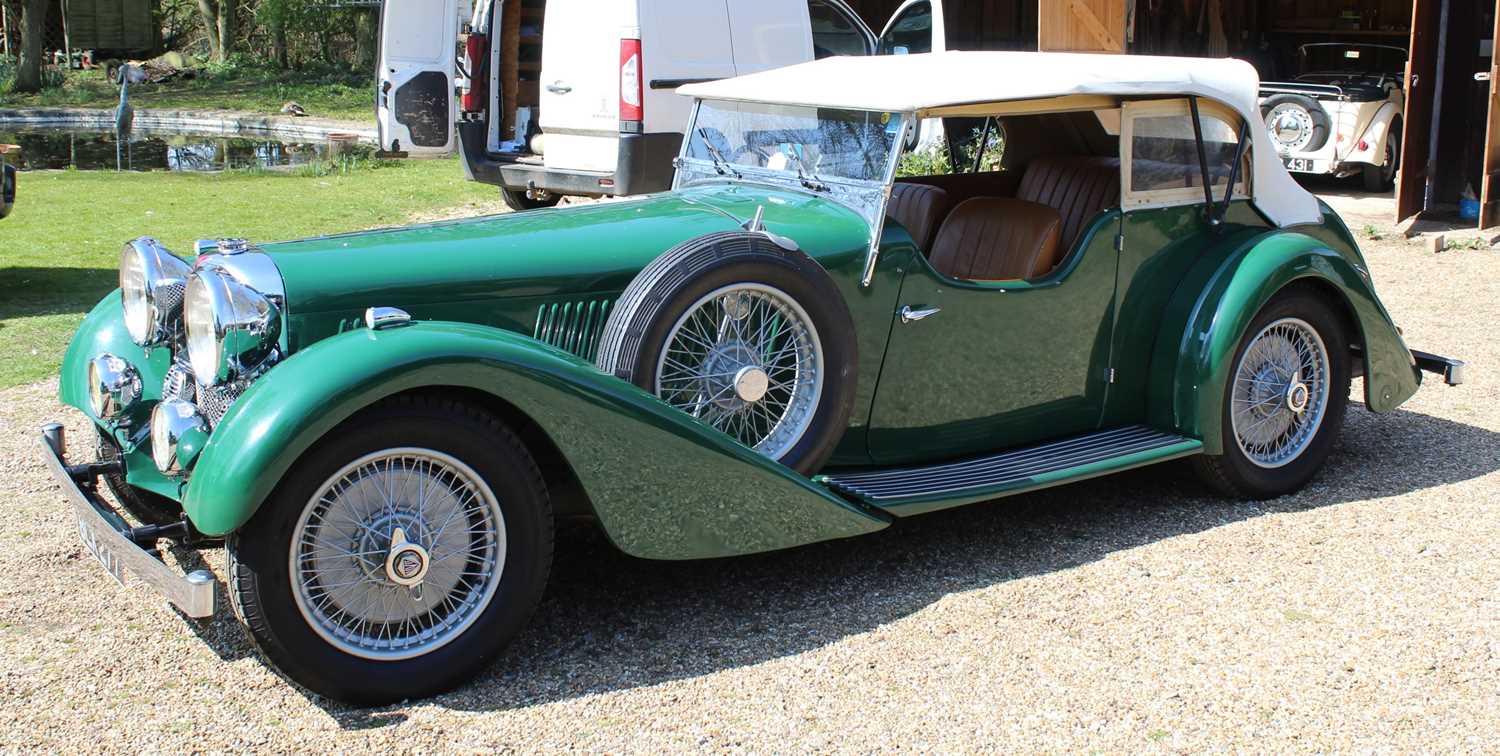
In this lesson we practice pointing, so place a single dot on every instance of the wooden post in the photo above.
(67, 37)
(1489, 196)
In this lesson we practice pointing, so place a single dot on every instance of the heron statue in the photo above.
(124, 115)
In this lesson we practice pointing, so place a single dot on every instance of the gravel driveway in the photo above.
(1129, 613)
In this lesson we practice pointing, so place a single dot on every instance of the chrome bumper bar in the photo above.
(104, 534)
(1452, 370)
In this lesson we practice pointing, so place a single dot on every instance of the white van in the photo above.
(577, 97)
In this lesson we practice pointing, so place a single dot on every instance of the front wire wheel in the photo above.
(1284, 401)
(397, 553)
(746, 359)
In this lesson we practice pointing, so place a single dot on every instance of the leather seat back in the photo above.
(920, 209)
(1077, 187)
(998, 239)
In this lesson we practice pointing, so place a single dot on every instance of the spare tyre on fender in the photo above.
(748, 336)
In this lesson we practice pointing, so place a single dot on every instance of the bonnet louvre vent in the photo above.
(573, 326)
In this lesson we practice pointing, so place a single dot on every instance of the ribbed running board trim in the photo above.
(1017, 470)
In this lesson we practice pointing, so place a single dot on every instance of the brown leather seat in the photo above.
(1077, 187)
(919, 208)
(998, 239)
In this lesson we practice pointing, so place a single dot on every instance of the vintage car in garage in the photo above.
(1342, 114)
(792, 345)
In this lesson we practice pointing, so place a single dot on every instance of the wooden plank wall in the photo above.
(114, 25)
(1082, 26)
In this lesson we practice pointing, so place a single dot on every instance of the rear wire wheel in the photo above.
(1285, 399)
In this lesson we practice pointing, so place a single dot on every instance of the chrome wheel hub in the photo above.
(397, 553)
(747, 360)
(1280, 392)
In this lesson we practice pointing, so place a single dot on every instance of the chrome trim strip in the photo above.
(103, 531)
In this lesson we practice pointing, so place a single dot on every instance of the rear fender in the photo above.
(662, 485)
(1222, 294)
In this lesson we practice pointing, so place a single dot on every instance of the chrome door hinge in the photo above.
(1109, 375)
(1119, 242)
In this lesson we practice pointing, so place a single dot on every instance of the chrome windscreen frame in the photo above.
(867, 198)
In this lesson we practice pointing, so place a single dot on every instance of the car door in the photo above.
(581, 79)
(414, 108)
(975, 367)
(838, 30)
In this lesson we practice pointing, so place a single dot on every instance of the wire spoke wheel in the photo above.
(1280, 392)
(746, 359)
(397, 553)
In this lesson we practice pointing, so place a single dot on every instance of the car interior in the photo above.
(1021, 221)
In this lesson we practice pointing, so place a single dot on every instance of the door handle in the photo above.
(559, 88)
(909, 315)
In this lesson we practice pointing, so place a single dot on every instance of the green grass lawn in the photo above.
(59, 250)
(324, 93)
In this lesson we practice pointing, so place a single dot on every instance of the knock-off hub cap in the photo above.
(1297, 396)
(406, 563)
(751, 383)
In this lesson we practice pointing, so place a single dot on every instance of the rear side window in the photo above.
(1161, 164)
(834, 32)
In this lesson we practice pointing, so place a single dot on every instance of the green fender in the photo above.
(663, 485)
(1222, 293)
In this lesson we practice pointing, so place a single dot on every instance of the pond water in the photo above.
(94, 150)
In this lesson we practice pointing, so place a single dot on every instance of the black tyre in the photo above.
(149, 507)
(399, 556)
(1285, 398)
(1381, 178)
(749, 337)
(1306, 128)
(517, 200)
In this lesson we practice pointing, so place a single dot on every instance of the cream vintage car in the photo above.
(1341, 115)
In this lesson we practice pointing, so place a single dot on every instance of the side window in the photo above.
(834, 32)
(911, 33)
(1161, 152)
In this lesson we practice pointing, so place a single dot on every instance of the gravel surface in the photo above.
(1129, 613)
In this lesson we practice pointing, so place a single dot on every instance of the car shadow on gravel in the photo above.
(610, 622)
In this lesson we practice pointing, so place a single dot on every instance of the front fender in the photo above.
(662, 485)
(1221, 295)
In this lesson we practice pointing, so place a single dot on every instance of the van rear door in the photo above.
(414, 106)
(580, 97)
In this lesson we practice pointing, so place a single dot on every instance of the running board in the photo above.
(912, 490)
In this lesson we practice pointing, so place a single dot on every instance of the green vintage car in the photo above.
(1102, 265)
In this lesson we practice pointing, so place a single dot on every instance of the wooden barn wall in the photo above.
(972, 24)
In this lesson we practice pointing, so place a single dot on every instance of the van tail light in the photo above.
(632, 95)
(476, 56)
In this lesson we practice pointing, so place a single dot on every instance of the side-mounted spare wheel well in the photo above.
(563, 487)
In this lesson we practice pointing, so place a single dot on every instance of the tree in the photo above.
(29, 67)
(218, 27)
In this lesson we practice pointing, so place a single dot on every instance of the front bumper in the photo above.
(108, 537)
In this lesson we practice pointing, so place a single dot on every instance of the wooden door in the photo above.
(1081, 25)
(1489, 198)
(1421, 86)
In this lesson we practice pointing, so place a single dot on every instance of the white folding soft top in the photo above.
(921, 84)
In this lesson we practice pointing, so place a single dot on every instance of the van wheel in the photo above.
(1284, 401)
(399, 556)
(517, 200)
(745, 336)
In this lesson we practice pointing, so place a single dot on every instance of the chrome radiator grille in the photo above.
(573, 326)
(212, 401)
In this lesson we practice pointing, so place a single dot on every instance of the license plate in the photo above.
(100, 550)
(1298, 164)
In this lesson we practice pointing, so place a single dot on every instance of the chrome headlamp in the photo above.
(231, 328)
(178, 433)
(152, 280)
(114, 386)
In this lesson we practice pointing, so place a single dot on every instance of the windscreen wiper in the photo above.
(721, 165)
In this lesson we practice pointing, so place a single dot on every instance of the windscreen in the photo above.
(806, 143)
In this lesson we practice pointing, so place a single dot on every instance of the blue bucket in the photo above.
(1468, 209)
